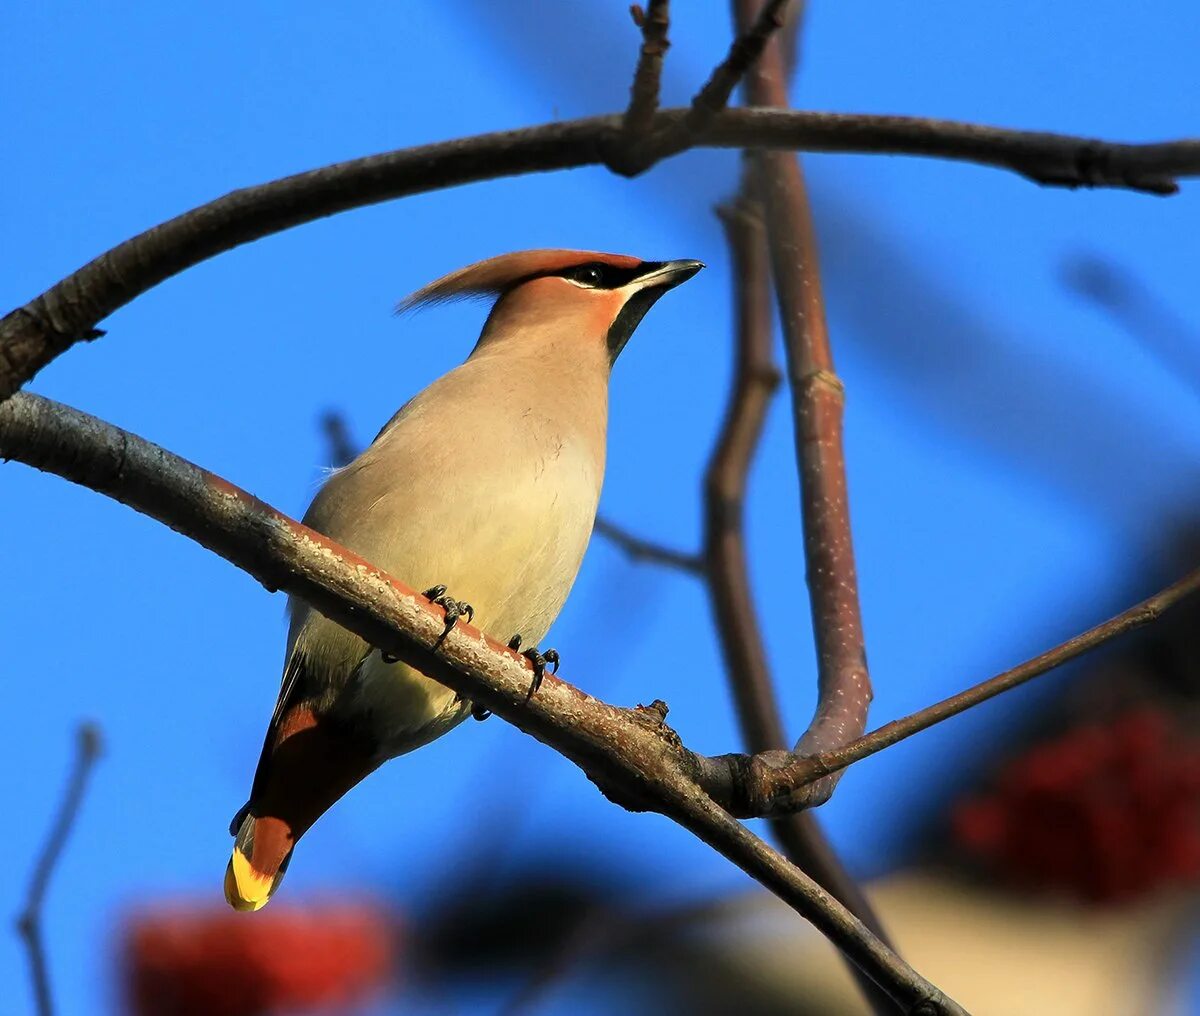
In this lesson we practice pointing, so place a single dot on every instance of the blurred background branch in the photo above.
(647, 551)
(29, 923)
(1127, 300)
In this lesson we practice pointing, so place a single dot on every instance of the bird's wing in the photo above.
(292, 673)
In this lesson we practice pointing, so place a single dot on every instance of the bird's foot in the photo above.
(539, 661)
(480, 713)
(454, 609)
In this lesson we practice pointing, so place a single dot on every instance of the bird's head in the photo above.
(551, 294)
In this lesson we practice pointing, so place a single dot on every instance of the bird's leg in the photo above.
(454, 609)
(539, 661)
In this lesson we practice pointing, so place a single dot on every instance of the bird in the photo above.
(481, 490)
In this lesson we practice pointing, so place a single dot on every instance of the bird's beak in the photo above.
(669, 274)
(644, 291)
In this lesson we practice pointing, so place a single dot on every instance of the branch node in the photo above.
(655, 712)
(827, 380)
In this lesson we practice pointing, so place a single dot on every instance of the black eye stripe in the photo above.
(598, 275)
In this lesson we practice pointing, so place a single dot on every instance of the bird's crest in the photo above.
(494, 275)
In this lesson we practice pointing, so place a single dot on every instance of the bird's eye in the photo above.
(589, 275)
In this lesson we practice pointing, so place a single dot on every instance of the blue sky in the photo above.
(1016, 458)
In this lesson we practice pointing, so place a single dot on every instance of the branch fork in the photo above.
(641, 143)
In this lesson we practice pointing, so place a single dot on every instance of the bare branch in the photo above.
(800, 834)
(603, 930)
(29, 923)
(647, 551)
(755, 381)
(33, 335)
(631, 755)
(746, 50)
(818, 766)
(643, 147)
(723, 563)
(654, 22)
(281, 553)
(843, 681)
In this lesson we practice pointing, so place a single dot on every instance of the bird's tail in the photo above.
(307, 764)
(261, 853)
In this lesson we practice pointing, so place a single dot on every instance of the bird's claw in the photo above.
(539, 661)
(454, 608)
(480, 713)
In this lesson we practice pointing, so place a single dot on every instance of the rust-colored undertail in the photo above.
(306, 766)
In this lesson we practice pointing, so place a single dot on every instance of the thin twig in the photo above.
(646, 148)
(647, 551)
(341, 448)
(843, 681)
(745, 52)
(601, 931)
(655, 23)
(29, 923)
(1149, 321)
(33, 335)
(818, 766)
(631, 755)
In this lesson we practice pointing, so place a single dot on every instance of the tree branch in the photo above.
(722, 564)
(281, 553)
(631, 755)
(818, 766)
(33, 335)
(745, 52)
(755, 380)
(638, 549)
(29, 923)
(644, 147)
(655, 22)
(843, 681)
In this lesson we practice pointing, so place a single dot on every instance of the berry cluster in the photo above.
(203, 962)
(1106, 812)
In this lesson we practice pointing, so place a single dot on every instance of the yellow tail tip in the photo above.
(246, 889)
